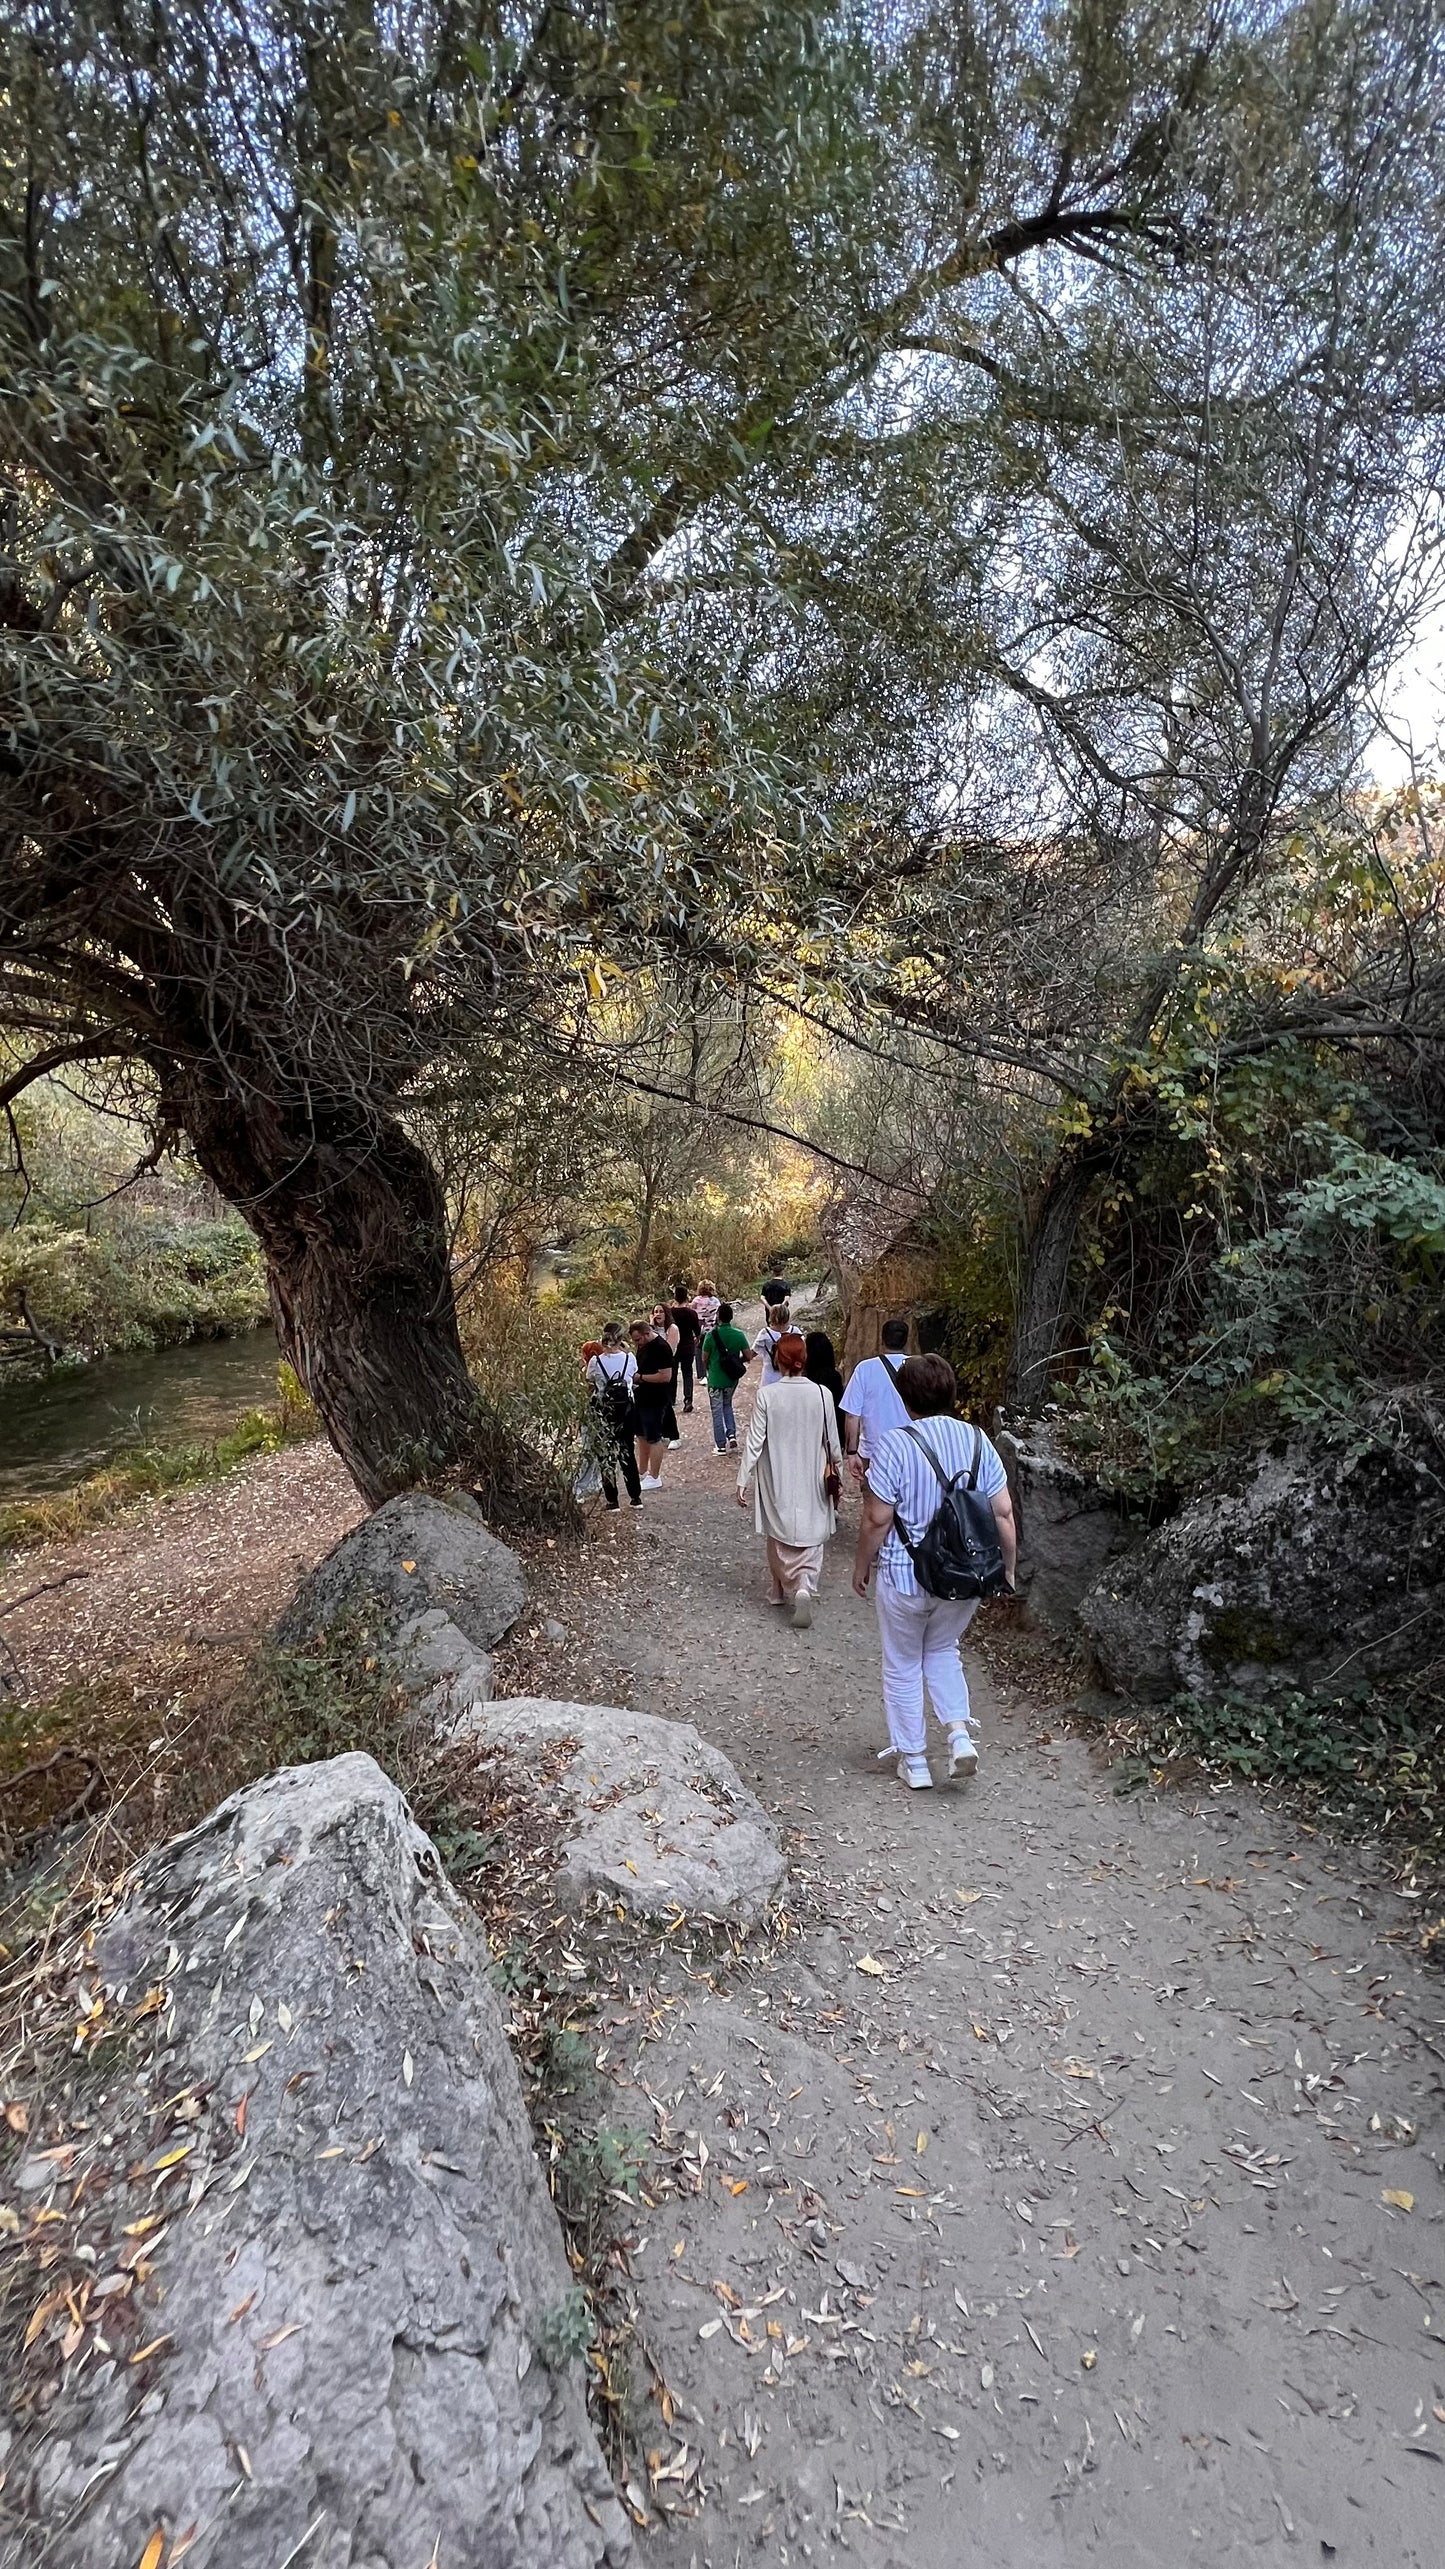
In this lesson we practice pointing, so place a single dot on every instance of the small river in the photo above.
(53, 1432)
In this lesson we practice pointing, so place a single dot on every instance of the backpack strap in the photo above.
(968, 1472)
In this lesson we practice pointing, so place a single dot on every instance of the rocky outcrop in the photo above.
(648, 1811)
(1324, 1570)
(652, 1814)
(426, 1575)
(1068, 1528)
(359, 2283)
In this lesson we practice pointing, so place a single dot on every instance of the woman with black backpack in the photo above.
(612, 1373)
(938, 1523)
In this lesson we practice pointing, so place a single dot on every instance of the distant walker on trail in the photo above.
(726, 1357)
(778, 1320)
(651, 1400)
(938, 1522)
(612, 1371)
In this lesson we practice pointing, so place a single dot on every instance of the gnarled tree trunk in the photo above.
(351, 1220)
(1043, 1293)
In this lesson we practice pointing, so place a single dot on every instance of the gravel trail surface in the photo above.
(1065, 2186)
(1072, 2183)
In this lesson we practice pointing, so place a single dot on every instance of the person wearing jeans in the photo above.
(920, 1634)
(723, 1340)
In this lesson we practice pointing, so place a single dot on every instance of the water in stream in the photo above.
(54, 1431)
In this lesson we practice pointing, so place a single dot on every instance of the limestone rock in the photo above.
(427, 1569)
(653, 1814)
(1068, 1528)
(356, 2272)
(1324, 1569)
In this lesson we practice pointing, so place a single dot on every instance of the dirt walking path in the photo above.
(151, 1597)
(1064, 2187)
(1072, 2183)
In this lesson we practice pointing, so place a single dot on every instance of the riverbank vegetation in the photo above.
(151, 1471)
(101, 1254)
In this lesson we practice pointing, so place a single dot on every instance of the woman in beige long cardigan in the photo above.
(792, 1440)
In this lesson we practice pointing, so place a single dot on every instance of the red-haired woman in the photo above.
(790, 1464)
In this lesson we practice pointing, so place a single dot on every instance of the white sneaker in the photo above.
(962, 1755)
(915, 1772)
(649, 1481)
(802, 1611)
(719, 1449)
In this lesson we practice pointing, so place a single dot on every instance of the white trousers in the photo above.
(920, 1637)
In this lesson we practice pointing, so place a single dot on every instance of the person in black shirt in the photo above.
(651, 1400)
(689, 1329)
(664, 1326)
(774, 1291)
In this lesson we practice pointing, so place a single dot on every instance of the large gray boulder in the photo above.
(1068, 1528)
(358, 2270)
(425, 1574)
(1324, 1570)
(650, 1812)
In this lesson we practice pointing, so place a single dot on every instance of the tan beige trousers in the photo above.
(795, 1567)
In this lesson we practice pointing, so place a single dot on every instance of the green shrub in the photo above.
(1368, 1759)
(151, 1280)
(526, 1358)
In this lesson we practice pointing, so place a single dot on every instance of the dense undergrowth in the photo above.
(147, 1280)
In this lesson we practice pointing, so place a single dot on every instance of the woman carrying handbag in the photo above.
(792, 1469)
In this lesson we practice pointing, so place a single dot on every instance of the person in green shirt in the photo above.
(727, 1356)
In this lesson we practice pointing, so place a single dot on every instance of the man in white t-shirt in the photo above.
(920, 1634)
(871, 1405)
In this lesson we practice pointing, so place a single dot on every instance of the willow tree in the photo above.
(380, 391)
(1124, 543)
(478, 500)
(348, 357)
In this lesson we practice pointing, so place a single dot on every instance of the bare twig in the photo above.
(44, 1590)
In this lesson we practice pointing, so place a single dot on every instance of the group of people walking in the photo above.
(936, 1531)
(636, 1371)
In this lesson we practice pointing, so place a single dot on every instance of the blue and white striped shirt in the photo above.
(902, 1475)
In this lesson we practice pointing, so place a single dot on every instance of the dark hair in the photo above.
(822, 1364)
(724, 1314)
(928, 1386)
(895, 1334)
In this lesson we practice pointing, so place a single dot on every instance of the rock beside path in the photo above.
(426, 1571)
(1068, 1527)
(1325, 1569)
(648, 1811)
(357, 2261)
(652, 1814)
